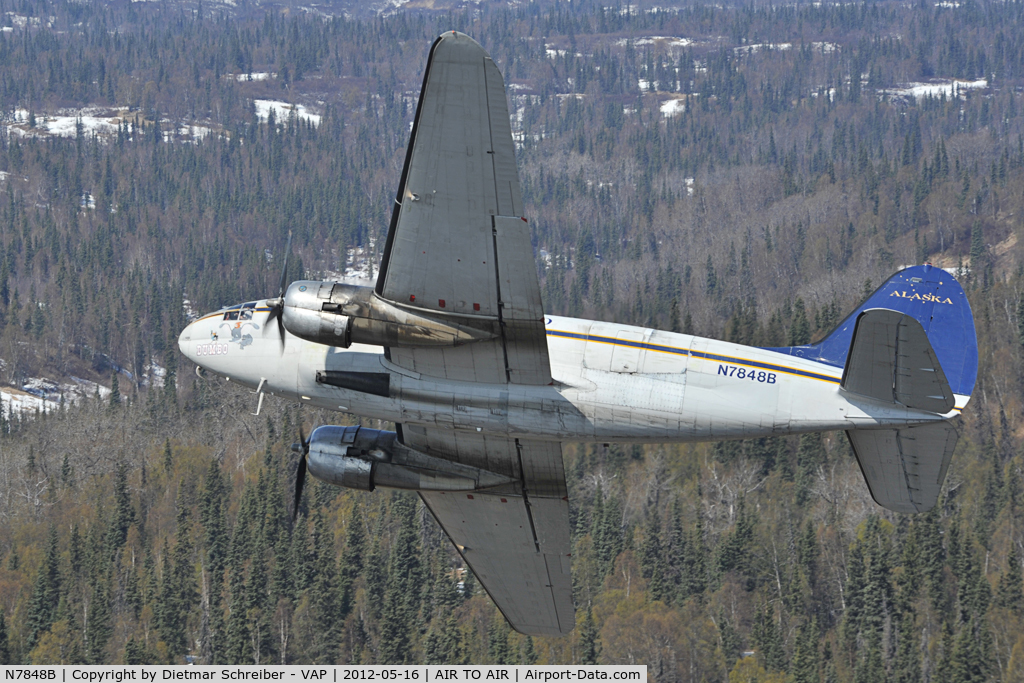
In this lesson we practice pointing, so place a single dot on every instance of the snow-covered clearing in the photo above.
(282, 110)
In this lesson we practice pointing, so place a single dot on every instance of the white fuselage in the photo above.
(612, 383)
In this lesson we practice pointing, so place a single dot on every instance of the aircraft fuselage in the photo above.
(611, 383)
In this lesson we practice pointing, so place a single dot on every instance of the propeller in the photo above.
(302, 449)
(277, 304)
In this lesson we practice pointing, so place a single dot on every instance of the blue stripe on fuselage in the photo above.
(696, 354)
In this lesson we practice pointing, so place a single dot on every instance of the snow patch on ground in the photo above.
(359, 266)
(670, 108)
(196, 133)
(950, 88)
(757, 47)
(665, 41)
(190, 312)
(42, 394)
(282, 110)
(254, 76)
(65, 123)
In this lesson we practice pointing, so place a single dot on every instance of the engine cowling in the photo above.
(361, 458)
(338, 314)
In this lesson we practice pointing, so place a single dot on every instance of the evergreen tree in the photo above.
(402, 590)
(497, 641)
(765, 634)
(100, 626)
(590, 648)
(135, 653)
(42, 609)
(805, 655)
(1010, 592)
(907, 668)
(5, 645)
(800, 329)
(324, 593)
(124, 513)
(351, 561)
(179, 589)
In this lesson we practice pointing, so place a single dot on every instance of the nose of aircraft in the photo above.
(185, 341)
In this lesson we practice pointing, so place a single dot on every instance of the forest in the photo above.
(742, 172)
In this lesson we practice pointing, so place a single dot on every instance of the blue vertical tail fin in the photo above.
(933, 298)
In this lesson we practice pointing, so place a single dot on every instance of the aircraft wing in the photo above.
(458, 244)
(514, 538)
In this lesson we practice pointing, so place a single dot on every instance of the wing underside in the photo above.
(514, 538)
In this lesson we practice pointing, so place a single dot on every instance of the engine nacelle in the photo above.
(361, 458)
(341, 315)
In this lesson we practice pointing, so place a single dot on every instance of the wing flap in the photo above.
(892, 360)
(904, 468)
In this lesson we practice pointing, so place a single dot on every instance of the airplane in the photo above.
(452, 344)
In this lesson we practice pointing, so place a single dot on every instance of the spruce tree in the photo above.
(236, 638)
(5, 645)
(805, 655)
(401, 596)
(497, 640)
(100, 626)
(590, 649)
(179, 589)
(907, 668)
(324, 592)
(1010, 592)
(46, 592)
(351, 561)
(766, 636)
(124, 514)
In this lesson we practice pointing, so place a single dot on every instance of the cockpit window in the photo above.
(231, 315)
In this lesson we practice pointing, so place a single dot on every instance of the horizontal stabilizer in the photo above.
(892, 360)
(904, 468)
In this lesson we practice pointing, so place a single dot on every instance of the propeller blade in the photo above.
(300, 480)
(284, 270)
(302, 448)
(277, 305)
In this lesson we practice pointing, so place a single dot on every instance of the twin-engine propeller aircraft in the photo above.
(453, 346)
